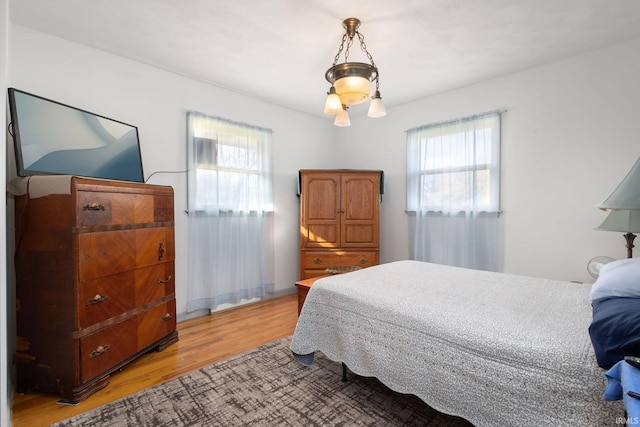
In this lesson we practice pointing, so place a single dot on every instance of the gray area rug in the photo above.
(267, 387)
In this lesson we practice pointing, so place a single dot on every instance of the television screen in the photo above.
(54, 138)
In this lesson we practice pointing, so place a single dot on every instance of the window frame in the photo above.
(418, 140)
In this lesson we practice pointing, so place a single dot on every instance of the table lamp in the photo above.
(624, 206)
(625, 220)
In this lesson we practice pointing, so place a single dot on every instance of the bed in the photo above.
(493, 348)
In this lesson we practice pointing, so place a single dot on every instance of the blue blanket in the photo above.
(621, 379)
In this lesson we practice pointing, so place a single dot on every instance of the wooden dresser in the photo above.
(95, 280)
(339, 219)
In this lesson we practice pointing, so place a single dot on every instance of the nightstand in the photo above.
(303, 289)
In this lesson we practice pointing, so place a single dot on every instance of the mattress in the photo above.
(493, 348)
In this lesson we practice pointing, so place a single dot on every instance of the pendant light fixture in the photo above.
(351, 82)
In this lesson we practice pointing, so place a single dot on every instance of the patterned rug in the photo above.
(267, 387)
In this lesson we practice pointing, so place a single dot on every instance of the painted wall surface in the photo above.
(569, 136)
(157, 101)
(6, 316)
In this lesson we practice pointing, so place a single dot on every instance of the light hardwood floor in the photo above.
(203, 341)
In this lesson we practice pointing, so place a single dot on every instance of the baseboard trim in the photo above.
(181, 317)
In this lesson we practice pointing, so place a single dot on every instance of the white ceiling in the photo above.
(279, 50)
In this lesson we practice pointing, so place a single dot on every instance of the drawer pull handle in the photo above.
(99, 351)
(363, 260)
(167, 280)
(317, 261)
(161, 251)
(167, 317)
(93, 207)
(97, 299)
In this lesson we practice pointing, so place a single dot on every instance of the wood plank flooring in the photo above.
(203, 341)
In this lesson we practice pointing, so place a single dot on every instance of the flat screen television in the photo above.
(53, 138)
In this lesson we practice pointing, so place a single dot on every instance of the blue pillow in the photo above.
(619, 278)
(615, 329)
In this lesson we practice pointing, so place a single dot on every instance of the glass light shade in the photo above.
(333, 105)
(623, 220)
(342, 119)
(376, 108)
(353, 90)
(627, 194)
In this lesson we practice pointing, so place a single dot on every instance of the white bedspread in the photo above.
(495, 349)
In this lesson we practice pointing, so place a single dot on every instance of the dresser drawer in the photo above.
(154, 282)
(106, 348)
(106, 297)
(163, 208)
(97, 208)
(154, 245)
(109, 252)
(105, 253)
(156, 323)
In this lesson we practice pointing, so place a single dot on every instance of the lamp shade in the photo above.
(352, 81)
(624, 220)
(627, 194)
(342, 119)
(333, 105)
(376, 108)
(353, 90)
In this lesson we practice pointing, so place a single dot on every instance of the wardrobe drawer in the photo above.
(106, 348)
(106, 297)
(320, 260)
(156, 323)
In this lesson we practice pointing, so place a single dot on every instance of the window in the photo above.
(230, 200)
(454, 166)
(453, 191)
(230, 165)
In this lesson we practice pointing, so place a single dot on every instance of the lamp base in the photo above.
(629, 237)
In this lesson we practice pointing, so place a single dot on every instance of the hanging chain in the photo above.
(335, 60)
(346, 52)
(363, 46)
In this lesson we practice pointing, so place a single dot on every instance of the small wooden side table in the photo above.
(303, 289)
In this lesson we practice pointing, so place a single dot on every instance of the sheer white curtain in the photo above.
(453, 185)
(230, 202)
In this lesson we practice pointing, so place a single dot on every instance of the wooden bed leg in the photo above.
(344, 373)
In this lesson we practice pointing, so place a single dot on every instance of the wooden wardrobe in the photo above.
(339, 219)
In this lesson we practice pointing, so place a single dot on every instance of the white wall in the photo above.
(571, 133)
(569, 136)
(6, 316)
(568, 139)
(157, 102)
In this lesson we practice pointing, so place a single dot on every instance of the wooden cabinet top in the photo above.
(337, 172)
(43, 185)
